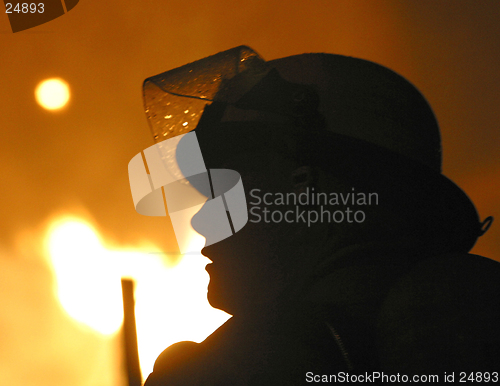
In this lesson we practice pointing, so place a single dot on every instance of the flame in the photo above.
(171, 301)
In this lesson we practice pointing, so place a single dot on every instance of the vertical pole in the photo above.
(130, 334)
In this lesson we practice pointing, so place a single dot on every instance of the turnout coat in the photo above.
(373, 313)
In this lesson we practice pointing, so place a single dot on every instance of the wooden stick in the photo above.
(130, 334)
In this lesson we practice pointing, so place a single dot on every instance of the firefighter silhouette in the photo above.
(391, 289)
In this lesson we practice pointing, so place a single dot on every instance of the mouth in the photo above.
(213, 250)
(206, 253)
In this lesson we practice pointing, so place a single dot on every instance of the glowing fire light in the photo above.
(171, 303)
(52, 94)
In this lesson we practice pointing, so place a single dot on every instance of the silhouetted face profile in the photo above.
(248, 270)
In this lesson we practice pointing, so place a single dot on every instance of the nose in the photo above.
(212, 221)
(226, 213)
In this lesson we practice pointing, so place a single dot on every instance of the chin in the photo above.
(218, 302)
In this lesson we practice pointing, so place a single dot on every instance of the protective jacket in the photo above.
(375, 312)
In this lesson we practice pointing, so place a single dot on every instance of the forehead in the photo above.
(245, 145)
(260, 162)
(235, 114)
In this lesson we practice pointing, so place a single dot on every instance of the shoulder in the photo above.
(188, 363)
(456, 278)
(443, 314)
(177, 355)
(173, 363)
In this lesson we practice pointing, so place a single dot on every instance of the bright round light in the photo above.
(52, 94)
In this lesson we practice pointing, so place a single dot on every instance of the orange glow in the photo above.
(171, 302)
(52, 94)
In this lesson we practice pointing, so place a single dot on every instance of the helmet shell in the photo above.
(367, 101)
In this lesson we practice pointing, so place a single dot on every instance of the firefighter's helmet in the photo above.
(350, 116)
